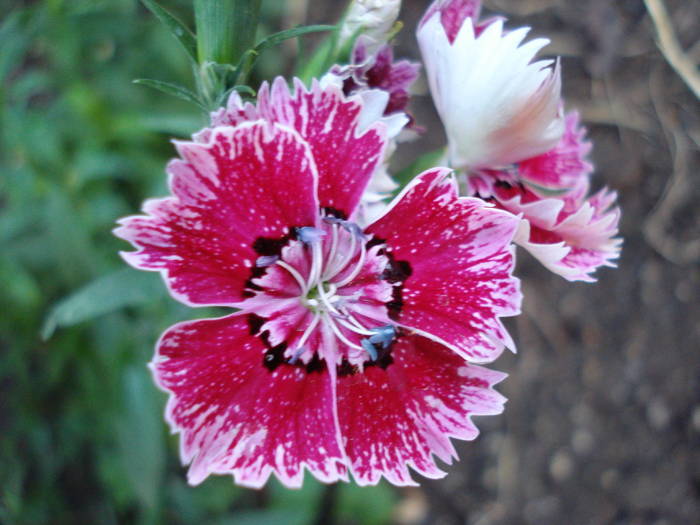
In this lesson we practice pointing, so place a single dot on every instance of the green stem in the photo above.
(225, 29)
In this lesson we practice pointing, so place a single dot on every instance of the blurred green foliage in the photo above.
(82, 437)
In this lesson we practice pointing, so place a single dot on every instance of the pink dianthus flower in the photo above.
(350, 350)
(510, 141)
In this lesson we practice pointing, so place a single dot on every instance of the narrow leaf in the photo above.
(139, 436)
(245, 65)
(106, 294)
(179, 30)
(295, 32)
(171, 89)
(245, 89)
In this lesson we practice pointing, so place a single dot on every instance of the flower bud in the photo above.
(373, 18)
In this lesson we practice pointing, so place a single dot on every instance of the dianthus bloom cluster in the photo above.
(358, 328)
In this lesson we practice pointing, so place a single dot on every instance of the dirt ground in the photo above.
(603, 420)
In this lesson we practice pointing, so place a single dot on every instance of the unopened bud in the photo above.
(374, 18)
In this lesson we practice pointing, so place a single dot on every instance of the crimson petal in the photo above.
(346, 149)
(238, 416)
(398, 416)
(253, 181)
(460, 260)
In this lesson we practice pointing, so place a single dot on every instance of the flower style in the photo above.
(352, 349)
(498, 106)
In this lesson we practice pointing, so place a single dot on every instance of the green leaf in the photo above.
(171, 89)
(15, 40)
(140, 436)
(225, 29)
(179, 124)
(317, 64)
(244, 89)
(295, 32)
(365, 505)
(245, 64)
(429, 160)
(179, 30)
(106, 294)
(298, 516)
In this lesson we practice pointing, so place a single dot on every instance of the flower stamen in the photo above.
(325, 299)
(347, 257)
(334, 244)
(358, 267)
(369, 348)
(294, 273)
(339, 334)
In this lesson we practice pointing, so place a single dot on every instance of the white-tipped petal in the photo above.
(497, 104)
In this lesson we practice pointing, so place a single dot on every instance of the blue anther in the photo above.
(266, 260)
(310, 235)
(348, 226)
(383, 335)
(369, 347)
(354, 229)
(296, 355)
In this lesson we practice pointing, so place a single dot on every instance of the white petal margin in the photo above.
(497, 105)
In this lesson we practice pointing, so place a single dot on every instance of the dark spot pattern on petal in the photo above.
(274, 357)
(334, 212)
(266, 246)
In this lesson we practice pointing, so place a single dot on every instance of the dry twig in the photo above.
(671, 49)
(678, 187)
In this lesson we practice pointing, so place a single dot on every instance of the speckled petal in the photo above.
(397, 417)
(459, 259)
(453, 13)
(572, 237)
(565, 166)
(235, 415)
(255, 180)
(346, 149)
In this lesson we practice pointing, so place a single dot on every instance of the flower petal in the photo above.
(239, 415)
(574, 238)
(453, 13)
(250, 182)
(380, 71)
(459, 259)
(346, 152)
(399, 415)
(564, 166)
(498, 106)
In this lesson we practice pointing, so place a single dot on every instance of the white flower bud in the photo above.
(374, 18)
